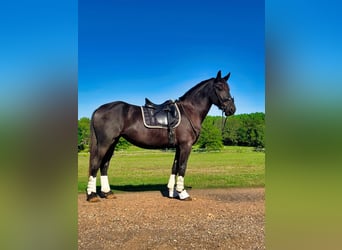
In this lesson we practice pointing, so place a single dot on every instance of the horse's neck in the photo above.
(198, 103)
(198, 109)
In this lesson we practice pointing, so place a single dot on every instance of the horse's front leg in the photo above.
(184, 153)
(172, 180)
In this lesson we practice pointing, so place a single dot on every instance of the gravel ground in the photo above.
(215, 219)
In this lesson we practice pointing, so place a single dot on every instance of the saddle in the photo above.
(164, 116)
(150, 104)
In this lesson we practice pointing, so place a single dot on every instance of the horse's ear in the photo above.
(218, 77)
(226, 77)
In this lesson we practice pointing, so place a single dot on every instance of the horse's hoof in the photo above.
(107, 195)
(184, 196)
(92, 197)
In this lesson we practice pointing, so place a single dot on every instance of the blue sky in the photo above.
(129, 50)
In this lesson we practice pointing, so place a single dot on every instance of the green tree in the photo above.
(80, 145)
(122, 144)
(230, 132)
(255, 129)
(210, 137)
(245, 130)
(84, 137)
(83, 134)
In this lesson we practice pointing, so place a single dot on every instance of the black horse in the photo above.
(113, 120)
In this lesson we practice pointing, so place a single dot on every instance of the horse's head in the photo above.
(223, 98)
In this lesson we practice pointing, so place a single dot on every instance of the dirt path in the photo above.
(215, 219)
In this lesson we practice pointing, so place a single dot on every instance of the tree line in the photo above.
(240, 130)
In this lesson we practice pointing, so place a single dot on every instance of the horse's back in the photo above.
(113, 108)
(113, 114)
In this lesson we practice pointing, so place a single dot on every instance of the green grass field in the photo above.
(140, 170)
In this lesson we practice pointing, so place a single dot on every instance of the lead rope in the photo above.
(223, 123)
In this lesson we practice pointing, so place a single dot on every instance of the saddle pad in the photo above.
(159, 118)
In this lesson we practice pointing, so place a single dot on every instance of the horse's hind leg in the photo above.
(94, 164)
(105, 187)
(99, 157)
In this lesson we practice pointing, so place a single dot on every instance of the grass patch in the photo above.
(140, 170)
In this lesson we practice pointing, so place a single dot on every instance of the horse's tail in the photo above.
(93, 143)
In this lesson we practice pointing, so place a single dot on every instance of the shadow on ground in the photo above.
(139, 188)
(162, 188)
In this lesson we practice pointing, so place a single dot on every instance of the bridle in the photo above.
(222, 101)
(223, 107)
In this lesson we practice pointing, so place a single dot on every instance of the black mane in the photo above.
(195, 89)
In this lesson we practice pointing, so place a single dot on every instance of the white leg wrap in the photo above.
(172, 181)
(91, 185)
(180, 184)
(105, 184)
(171, 185)
(183, 195)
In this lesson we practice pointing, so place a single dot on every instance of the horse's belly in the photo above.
(149, 138)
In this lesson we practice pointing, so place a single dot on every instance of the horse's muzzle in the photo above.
(230, 110)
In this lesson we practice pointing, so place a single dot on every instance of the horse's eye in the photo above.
(219, 87)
